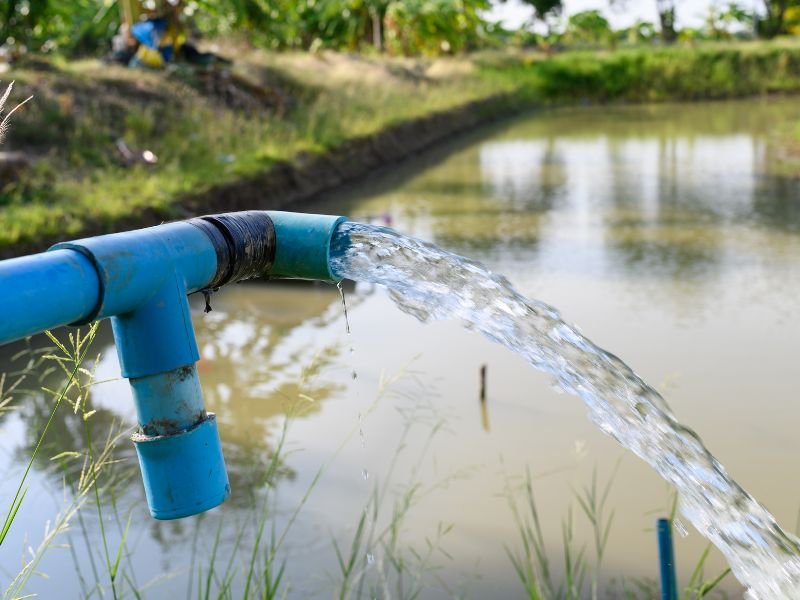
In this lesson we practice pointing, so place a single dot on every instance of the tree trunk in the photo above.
(666, 17)
(377, 29)
(772, 24)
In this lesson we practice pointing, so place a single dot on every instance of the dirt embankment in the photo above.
(285, 184)
(292, 184)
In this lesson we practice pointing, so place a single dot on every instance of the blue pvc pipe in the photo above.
(168, 402)
(183, 474)
(140, 279)
(111, 275)
(666, 556)
(44, 291)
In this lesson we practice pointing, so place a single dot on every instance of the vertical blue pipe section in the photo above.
(168, 402)
(158, 335)
(46, 290)
(145, 276)
(184, 474)
(666, 557)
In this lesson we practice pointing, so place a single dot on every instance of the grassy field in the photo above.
(707, 72)
(209, 128)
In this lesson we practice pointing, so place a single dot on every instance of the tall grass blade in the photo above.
(115, 568)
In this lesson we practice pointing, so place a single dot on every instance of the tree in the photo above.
(721, 21)
(46, 25)
(666, 17)
(544, 10)
(434, 26)
(773, 22)
(639, 32)
(589, 26)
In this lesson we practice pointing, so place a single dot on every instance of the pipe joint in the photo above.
(183, 472)
(135, 265)
(244, 243)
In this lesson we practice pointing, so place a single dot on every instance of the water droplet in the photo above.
(344, 306)
(580, 448)
(370, 558)
(680, 528)
(365, 474)
(361, 432)
(354, 375)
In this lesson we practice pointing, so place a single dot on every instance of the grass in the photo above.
(94, 474)
(708, 72)
(74, 358)
(314, 105)
(534, 570)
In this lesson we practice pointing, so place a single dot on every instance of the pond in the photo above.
(669, 234)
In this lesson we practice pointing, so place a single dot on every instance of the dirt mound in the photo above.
(104, 101)
(237, 89)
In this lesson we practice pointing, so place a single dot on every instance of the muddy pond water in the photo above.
(669, 234)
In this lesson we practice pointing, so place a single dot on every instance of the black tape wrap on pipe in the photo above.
(244, 242)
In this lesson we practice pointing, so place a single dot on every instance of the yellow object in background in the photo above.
(150, 57)
(792, 19)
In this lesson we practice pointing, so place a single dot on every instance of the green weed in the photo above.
(535, 571)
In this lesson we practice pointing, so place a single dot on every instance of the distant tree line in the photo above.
(407, 27)
(396, 26)
(772, 18)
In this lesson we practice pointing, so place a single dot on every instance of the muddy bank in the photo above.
(291, 185)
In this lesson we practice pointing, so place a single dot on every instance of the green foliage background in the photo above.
(398, 26)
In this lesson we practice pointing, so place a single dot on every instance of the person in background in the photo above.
(153, 34)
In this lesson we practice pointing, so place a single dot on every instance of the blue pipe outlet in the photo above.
(140, 280)
(309, 254)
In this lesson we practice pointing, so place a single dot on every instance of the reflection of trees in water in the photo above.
(248, 406)
(498, 199)
(646, 121)
(68, 429)
(523, 175)
(776, 203)
(681, 227)
(663, 226)
(262, 347)
(68, 435)
(265, 354)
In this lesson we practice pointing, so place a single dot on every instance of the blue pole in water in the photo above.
(140, 280)
(666, 556)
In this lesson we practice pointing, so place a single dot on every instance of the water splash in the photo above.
(430, 283)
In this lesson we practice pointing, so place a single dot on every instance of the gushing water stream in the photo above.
(430, 283)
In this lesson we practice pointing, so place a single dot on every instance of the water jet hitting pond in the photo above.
(430, 284)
